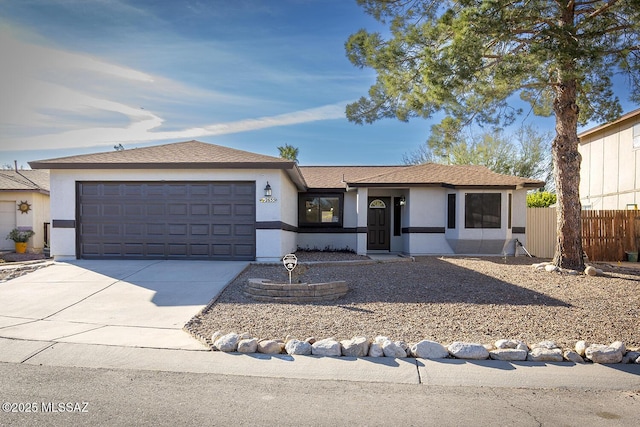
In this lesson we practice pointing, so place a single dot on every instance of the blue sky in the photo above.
(80, 76)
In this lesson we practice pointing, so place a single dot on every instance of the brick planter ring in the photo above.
(265, 290)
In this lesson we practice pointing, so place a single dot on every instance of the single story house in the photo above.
(24, 204)
(195, 200)
(610, 167)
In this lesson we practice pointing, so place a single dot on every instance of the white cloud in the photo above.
(58, 99)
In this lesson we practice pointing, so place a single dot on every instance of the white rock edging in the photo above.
(509, 350)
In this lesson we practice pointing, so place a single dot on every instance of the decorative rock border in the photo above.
(505, 350)
(267, 291)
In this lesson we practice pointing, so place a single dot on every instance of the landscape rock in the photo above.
(228, 342)
(631, 356)
(393, 349)
(311, 340)
(215, 336)
(426, 349)
(542, 354)
(375, 350)
(545, 344)
(247, 345)
(296, 347)
(619, 345)
(515, 344)
(573, 356)
(508, 354)
(355, 347)
(463, 350)
(550, 268)
(580, 347)
(326, 347)
(590, 271)
(599, 353)
(405, 347)
(270, 347)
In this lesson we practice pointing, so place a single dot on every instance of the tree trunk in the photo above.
(566, 162)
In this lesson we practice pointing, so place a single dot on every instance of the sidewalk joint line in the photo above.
(35, 353)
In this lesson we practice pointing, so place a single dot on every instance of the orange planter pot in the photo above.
(21, 247)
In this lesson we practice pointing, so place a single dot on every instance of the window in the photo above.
(482, 210)
(509, 212)
(451, 211)
(320, 210)
(397, 216)
(636, 135)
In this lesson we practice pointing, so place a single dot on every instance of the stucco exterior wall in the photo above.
(34, 219)
(426, 208)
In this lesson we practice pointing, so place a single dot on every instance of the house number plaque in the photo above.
(290, 261)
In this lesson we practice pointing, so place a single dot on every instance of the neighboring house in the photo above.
(610, 168)
(202, 201)
(24, 204)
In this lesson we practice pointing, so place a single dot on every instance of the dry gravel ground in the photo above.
(444, 299)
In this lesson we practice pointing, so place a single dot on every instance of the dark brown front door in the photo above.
(378, 223)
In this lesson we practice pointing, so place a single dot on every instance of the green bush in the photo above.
(20, 236)
(540, 199)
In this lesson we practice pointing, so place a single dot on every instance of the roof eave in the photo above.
(602, 127)
(296, 176)
(164, 165)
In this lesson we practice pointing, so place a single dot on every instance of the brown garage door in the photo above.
(167, 220)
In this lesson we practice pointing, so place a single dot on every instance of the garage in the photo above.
(209, 220)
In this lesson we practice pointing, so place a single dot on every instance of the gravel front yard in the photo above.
(444, 299)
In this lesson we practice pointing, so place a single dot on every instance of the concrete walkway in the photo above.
(129, 314)
(119, 303)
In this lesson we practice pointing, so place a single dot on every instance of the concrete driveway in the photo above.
(122, 303)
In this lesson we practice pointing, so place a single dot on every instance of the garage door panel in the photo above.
(199, 209)
(177, 209)
(154, 190)
(115, 210)
(220, 209)
(90, 209)
(111, 230)
(243, 230)
(203, 220)
(155, 210)
(178, 230)
(244, 190)
(243, 250)
(244, 210)
(111, 189)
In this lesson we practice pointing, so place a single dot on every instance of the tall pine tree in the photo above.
(467, 58)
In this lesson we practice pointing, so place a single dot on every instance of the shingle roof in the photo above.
(326, 177)
(189, 154)
(337, 176)
(196, 154)
(24, 180)
(445, 175)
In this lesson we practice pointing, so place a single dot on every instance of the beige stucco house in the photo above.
(193, 200)
(610, 169)
(24, 204)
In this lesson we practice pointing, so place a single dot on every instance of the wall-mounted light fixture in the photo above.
(267, 190)
(403, 201)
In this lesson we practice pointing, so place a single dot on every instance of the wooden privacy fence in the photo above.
(606, 235)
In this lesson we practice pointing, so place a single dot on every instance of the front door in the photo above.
(378, 223)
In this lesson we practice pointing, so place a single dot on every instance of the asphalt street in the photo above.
(63, 396)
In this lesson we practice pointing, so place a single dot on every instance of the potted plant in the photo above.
(20, 237)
